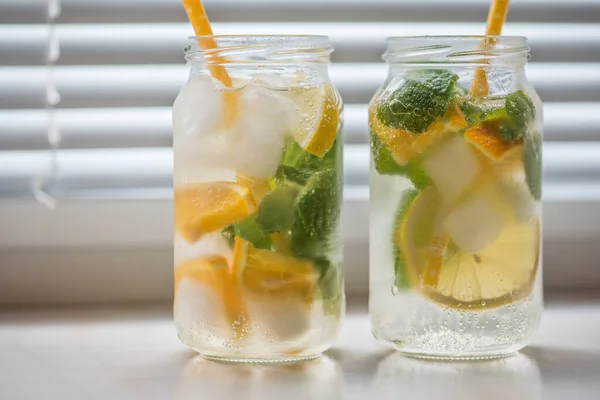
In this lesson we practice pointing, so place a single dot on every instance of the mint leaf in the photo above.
(472, 112)
(298, 158)
(520, 108)
(418, 176)
(514, 117)
(440, 80)
(512, 113)
(276, 210)
(287, 173)
(386, 165)
(419, 101)
(316, 215)
(532, 161)
(382, 158)
(249, 230)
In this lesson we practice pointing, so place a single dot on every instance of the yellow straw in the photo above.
(495, 21)
(199, 20)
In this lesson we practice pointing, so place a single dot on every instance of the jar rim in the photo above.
(457, 49)
(459, 37)
(263, 48)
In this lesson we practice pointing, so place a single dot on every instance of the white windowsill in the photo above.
(134, 353)
(99, 251)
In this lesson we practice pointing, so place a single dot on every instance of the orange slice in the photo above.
(273, 274)
(405, 145)
(484, 136)
(207, 207)
(258, 187)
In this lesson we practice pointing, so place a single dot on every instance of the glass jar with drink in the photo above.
(456, 135)
(258, 188)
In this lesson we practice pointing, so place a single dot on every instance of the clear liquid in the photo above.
(265, 290)
(416, 325)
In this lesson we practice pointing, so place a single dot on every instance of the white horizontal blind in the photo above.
(121, 66)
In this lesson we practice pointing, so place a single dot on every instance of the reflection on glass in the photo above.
(515, 378)
(316, 379)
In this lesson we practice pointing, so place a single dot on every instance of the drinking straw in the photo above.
(495, 21)
(199, 20)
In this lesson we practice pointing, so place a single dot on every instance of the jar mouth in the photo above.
(236, 49)
(478, 49)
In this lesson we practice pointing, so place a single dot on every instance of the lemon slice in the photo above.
(207, 207)
(502, 272)
(206, 288)
(319, 110)
(279, 289)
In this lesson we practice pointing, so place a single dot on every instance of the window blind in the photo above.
(120, 67)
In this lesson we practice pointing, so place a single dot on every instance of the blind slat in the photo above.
(89, 44)
(155, 86)
(111, 169)
(75, 11)
(23, 11)
(151, 127)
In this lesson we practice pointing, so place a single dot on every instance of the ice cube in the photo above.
(199, 307)
(517, 196)
(453, 168)
(280, 319)
(273, 81)
(202, 149)
(477, 222)
(198, 108)
(211, 244)
(266, 118)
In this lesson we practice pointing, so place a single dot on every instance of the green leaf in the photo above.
(316, 215)
(520, 108)
(298, 158)
(314, 210)
(249, 230)
(418, 176)
(513, 113)
(441, 81)
(514, 117)
(386, 165)
(419, 101)
(287, 173)
(276, 210)
(473, 114)
(382, 158)
(401, 275)
(532, 161)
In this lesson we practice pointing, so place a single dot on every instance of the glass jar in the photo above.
(258, 191)
(455, 218)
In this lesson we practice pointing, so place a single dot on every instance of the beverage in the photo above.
(455, 199)
(257, 201)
